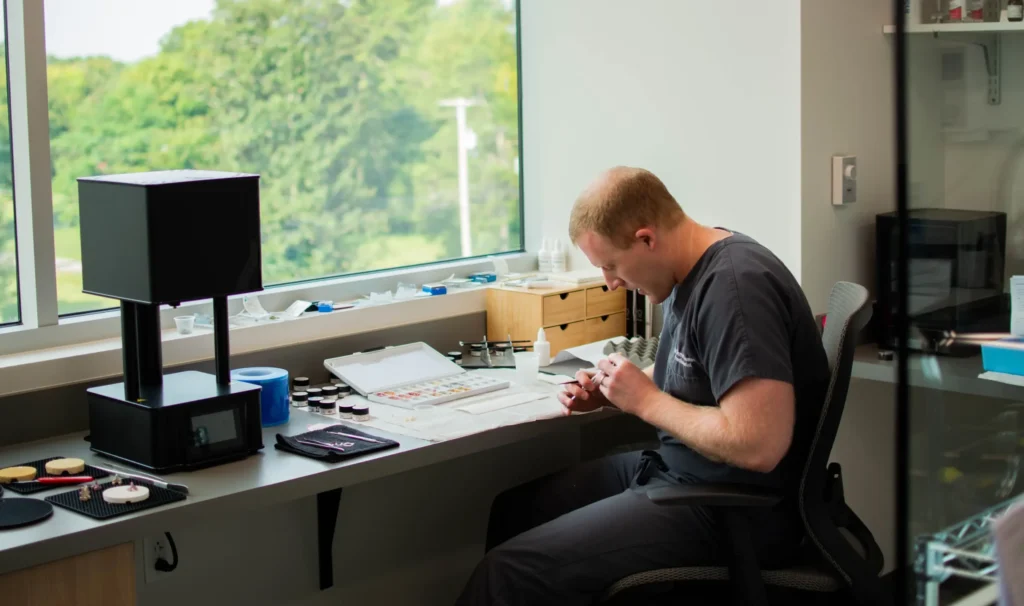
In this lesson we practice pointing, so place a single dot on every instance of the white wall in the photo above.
(848, 107)
(981, 167)
(984, 168)
(865, 446)
(926, 165)
(705, 95)
(739, 115)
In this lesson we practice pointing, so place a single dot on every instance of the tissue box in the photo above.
(997, 358)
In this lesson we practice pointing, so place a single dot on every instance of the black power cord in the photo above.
(163, 565)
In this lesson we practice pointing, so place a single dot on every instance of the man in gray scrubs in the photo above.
(734, 393)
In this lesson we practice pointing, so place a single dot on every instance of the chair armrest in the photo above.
(714, 495)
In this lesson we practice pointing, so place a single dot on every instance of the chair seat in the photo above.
(805, 577)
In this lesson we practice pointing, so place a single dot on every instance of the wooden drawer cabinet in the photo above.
(565, 336)
(570, 316)
(601, 301)
(564, 308)
(606, 327)
(99, 578)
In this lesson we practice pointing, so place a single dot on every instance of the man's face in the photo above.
(638, 267)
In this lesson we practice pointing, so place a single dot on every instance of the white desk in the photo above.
(261, 480)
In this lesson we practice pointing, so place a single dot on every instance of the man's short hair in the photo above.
(622, 201)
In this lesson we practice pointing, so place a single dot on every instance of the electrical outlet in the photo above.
(154, 548)
(844, 180)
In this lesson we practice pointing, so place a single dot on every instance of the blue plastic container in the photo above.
(274, 408)
(1003, 359)
(483, 277)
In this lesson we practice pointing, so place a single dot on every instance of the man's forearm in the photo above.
(703, 428)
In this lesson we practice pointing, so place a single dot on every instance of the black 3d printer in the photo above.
(165, 238)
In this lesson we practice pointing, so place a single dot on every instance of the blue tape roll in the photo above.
(274, 395)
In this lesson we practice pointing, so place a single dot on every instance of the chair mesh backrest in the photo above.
(844, 304)
(848, 313)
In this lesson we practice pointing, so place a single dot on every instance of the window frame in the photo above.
(29, 121)
(41, 327)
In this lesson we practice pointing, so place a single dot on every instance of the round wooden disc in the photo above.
(119, 495)
(17, 474)
(59, 467)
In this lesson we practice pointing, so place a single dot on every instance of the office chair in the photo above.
(838, 552)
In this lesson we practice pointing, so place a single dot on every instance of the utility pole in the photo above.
(467, 141)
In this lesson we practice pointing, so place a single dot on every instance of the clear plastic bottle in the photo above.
(558, 258)
(544, 257)
(542, 348)
(957, 11)
(975, 11)
(966, 11)
(1015, 10)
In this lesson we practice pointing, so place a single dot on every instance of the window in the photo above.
(385, 133)
(9, 311)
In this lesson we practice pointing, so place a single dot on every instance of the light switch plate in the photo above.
(844, 180)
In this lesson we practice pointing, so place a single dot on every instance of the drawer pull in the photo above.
(604, 288)
(564, 326)
(604, 318)
(563, 296)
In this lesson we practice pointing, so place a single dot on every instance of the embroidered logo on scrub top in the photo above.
(683, 360)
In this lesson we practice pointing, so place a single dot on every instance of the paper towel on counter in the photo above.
(1017, 306)
(591, 352)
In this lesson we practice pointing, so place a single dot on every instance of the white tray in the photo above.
(392, 367)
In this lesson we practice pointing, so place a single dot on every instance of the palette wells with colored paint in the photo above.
(409, 376)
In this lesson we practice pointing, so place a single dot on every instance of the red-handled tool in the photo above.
(58, 480)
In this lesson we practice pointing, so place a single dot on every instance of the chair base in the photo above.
(805, 579)
(716, 593)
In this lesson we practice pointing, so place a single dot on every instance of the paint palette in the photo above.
(409, 375)
(436, 391)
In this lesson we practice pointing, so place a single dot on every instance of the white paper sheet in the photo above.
(506, 401)
(1003, 377)
(449, 420)
(591, 352)
(1017, 306)
(296, 309)
(554, 379)
(252, 305)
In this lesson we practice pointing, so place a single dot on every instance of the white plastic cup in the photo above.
(527, 366)
(185, 324)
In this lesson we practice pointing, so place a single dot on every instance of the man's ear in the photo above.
(646, 236)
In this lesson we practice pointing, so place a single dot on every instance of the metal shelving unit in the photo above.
(959, 28)
(965, 550)
(988, 36)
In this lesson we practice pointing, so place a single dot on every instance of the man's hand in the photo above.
(584, 397)
(625, 385)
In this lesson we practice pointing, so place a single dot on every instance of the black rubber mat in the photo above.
(97, 508)
(40, 466)
(22, 512)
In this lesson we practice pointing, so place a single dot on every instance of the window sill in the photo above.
(99, 326)
(101, 359)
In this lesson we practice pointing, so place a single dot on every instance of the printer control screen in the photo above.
(214, 428)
